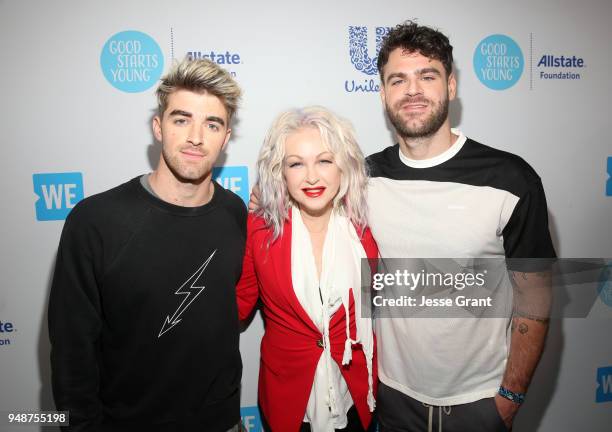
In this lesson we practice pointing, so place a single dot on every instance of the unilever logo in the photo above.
(362, 60)
(57, 194)
(6, 328)
(498, 62)
(605, 285)
(234, 178)
(609, 181)
(358, 48)
(603, 393)
(251, 421)
(131, 61)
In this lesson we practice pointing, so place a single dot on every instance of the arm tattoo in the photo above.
(523, 328)
(519, 314)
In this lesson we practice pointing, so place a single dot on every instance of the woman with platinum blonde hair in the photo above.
(305, 244)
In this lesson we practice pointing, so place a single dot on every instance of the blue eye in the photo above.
(213, 126)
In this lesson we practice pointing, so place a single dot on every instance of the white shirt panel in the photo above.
(440, 361)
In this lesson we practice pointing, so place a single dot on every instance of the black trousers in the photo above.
(398, 412)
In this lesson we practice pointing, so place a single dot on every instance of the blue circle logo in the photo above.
(605, 285)
(131, 61)
(498, 62)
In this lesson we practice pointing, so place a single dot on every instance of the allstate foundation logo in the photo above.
(362, 60)
(609, 181)
(220, 58)
(131, 61)
(251, 420)
(604, 385)
(605, 285)
(227, 59)
(560, 67)
(6, 331)
(57, 194)
(498, 62)
(234, 178)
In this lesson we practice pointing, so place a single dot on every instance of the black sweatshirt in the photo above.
(142, 313)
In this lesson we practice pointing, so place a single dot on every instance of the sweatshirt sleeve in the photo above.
(75, 323)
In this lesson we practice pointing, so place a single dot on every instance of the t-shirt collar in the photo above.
(436, 160)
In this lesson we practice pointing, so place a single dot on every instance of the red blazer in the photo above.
(289, 349)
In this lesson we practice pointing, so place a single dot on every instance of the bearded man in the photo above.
(439, 194)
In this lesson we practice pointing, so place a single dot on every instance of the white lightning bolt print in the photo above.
(190, 294)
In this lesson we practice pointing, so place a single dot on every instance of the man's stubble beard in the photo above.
(185, 173)
(429, 127)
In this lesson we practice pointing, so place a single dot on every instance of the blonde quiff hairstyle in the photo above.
(200, 76)
(338, 137)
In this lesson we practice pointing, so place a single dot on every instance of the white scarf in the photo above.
(340, 272)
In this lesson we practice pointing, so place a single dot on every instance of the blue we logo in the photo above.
(251, 421)
(358, 48)
(604, 385)
(609, 182)
(57, 194)
(234, 178)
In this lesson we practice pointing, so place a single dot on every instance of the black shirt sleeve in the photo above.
(75, 323)
(526, 235)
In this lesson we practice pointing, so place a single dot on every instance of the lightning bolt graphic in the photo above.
(191, 293)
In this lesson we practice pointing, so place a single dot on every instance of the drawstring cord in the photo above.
(447, 411)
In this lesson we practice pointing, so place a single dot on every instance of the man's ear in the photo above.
(156, 124)
(228, 134)
(382, 94)
(452, 86)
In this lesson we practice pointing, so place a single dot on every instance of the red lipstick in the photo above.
(314, 192)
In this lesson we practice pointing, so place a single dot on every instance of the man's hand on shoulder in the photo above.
(254, 198)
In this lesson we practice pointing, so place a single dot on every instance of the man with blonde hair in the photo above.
(142, 312)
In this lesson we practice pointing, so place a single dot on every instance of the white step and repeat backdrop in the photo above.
(76, 113)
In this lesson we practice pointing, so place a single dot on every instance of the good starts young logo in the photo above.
(498, 62)
(131, 61)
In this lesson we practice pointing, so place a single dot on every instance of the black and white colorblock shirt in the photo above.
(472, 201)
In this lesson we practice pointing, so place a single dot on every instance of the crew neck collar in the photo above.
(177, 209)
(439, 159)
